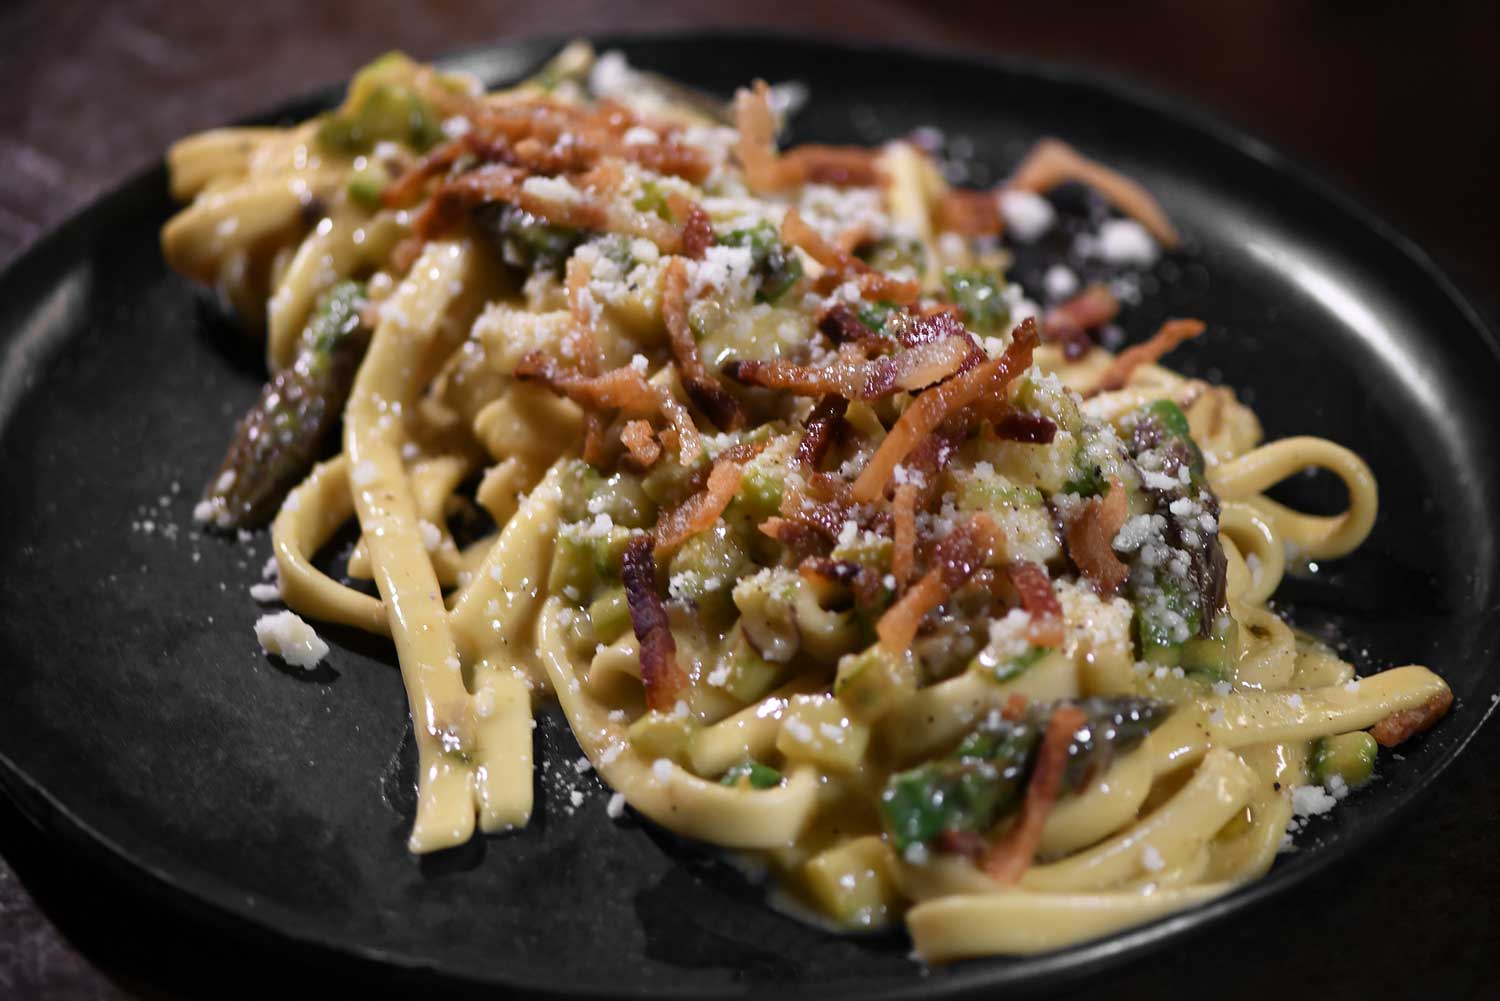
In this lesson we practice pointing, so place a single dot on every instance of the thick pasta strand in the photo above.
(441, 712)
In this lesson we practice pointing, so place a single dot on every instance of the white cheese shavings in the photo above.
(1152, 860)
(1125, 241)
(1059, 282)
(286, 635)
(364, 473)
(1027, 215)
(1311, 801)
(553, 189)
(431, 537)
(265, 593)
(615, 808)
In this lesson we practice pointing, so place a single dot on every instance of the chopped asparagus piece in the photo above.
(977, 295)
(981, 781)
(280, 437)
(752, 773)
(1350, 756)
(775, 266)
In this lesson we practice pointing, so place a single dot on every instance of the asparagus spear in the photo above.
(1179, 603)
(983, 779)
(278, 440)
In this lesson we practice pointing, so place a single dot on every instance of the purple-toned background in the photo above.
(1397, 102)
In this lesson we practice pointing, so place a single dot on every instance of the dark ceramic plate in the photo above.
(140, 720)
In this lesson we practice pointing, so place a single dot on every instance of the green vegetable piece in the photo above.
(751, 676)
(1162, 421)
(978, 297)
(652, 199)
(662, 735)
(982, 780)
(1210, 658)
(709, 562)
(760, 492)
(1350, 756)
(775, 265)
(382, 105)
(280, 437)
(1115, 725)
(1178, 607)
(877, 315)
(335, 320)
(609, 614)
(526, 241)
(980, 493)
(1010, 668)
(366, 186)
(669, 482)
(1161, 612)
(895, 253)
(967, 792)
(752, 773)
(870, 683)
(572, 568)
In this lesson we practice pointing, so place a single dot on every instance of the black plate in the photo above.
(139, 718)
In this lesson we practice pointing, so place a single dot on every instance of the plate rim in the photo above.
(1046, 971)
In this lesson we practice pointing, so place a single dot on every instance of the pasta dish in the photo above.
(837, 548)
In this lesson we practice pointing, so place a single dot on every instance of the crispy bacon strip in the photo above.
(840, 266)
(697, 229)
(766, 171)
(702, 509)
(407, 188)
(588, 207)
(1051, 162)
(583, 346)
(624, 389)
(556, 134)
(660, 673)
(957, 557)
(1407, 723)
(1039, 599)
(496, 182)
(704, 390)
(840, 325)
(925, 464)
(1030, 429)
(970, 213)
(1090, 536)
(1007, 859)
(1171, 334)
(1068, 323)
(937, 404)
(580, 337)
(855, 377)
(756, 148)
(669, 156)
(904, 550)
(640, 442)
(840, 166)
(826, 516)
(824, 424)
(801, 539)
(923, 328)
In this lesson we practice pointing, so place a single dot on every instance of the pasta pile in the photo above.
(834, 548)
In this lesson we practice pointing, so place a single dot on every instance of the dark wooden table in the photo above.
(1400, 107)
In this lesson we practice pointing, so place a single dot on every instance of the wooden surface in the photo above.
(1398, 104)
